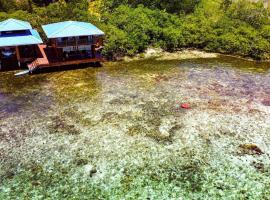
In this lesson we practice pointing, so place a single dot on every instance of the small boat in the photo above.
(22, 73)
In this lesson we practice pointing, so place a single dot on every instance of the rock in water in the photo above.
(89, 170)
(166, 126)
(266, 102)
(251, 149)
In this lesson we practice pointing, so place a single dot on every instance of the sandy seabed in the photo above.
(119, 132)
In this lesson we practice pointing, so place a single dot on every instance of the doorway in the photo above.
(8, 59)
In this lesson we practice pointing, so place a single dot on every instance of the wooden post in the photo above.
(55, 45)
(54, 41)
(18, 56)
(76, 43)
(30, 6)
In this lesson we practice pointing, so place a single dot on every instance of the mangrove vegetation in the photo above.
(232, 27)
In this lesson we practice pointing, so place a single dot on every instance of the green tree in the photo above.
(172, 6)
(254, 14)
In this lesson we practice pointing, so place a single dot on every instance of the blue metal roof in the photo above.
(14, 25)
(71, 29)
(28, 38)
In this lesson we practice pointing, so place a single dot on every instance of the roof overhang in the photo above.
(21, 40)
(14, 25)
(71, 29)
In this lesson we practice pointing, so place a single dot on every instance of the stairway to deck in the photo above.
(39, 61)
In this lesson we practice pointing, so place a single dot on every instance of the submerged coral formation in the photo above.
(119, 132)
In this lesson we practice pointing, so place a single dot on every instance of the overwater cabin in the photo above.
(70, 43)
(18, 44)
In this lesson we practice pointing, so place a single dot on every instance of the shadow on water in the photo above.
(48, 87)
(20, 94)
(24, 104)
(20, 85)
(68, 68)
(8, 105)
(13, 67)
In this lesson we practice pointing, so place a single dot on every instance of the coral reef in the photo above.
(119, 132)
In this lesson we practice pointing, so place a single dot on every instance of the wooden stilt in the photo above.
(18, 56)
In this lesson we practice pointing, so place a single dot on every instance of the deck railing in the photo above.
(74, 43)
(84, 42)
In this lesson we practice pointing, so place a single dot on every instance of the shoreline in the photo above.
(182, 54)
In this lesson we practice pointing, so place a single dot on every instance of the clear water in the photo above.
(127, 116)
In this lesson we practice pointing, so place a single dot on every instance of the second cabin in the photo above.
(69, 43)
(18, 44)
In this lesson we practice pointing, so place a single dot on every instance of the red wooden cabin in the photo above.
(70, 43)
(18, 44)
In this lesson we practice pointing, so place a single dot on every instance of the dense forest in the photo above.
(233, 27)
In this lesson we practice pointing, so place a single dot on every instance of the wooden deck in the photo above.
(74, 62)
(47, 62)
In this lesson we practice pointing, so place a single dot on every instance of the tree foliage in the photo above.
(172, 6)
(235, 27)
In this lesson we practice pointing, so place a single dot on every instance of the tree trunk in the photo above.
(30, 6)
